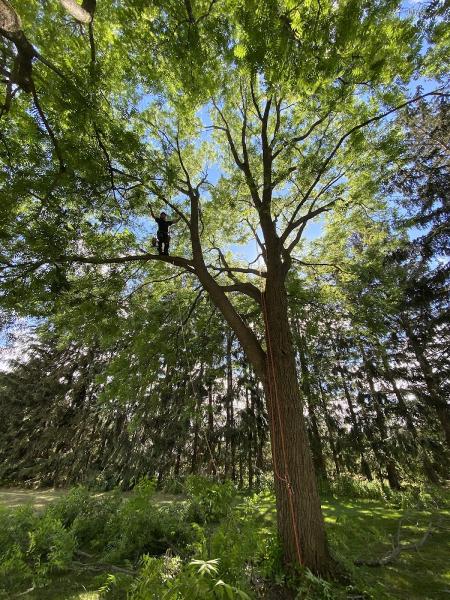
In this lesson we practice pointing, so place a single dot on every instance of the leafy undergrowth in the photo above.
(212, 542)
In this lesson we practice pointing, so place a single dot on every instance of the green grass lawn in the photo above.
(14, 497)
(359, 529)
(365, 530)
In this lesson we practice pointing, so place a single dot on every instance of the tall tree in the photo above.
(284, 99)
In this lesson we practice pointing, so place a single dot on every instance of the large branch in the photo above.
(96, 260)
(79, 12)
(267, 157)
(397, 549)
(245, 334)
(246, 270)
(244, 164)
(244, 288)
(9, 19)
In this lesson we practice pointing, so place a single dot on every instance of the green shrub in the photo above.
(209, 501)
(167, 578)
(412, 494)
(70, 506)
(244, 541)
(174, 485)
(51, 545)
(15, 572)
(31, 547)
(15, 568)
(89, 526)
(142, 527)
(347, 486)
(315, 588)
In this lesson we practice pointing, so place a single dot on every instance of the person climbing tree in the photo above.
(163, 231)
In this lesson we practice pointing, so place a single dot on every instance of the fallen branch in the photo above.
(28, 591)
(398, 548)
(103, 567)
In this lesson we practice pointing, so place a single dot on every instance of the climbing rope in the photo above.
(274, 400)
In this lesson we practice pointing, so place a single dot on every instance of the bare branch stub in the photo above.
(82, 13)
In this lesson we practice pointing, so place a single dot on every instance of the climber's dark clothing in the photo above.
(163, 226)
(163, 235)
(163, 238)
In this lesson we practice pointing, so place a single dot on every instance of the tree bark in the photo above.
(300, 520)
(230, 449)
(212, 463)
(391, 468)
(250, 409)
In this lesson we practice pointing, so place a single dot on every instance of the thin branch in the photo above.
(242, 164)
(192, 307)
(364, 124)
(300, 138)
(292, 224)
(207, 13)
(254, 100)
(257, 238)
(277, 123)
(48, 128)
(304, 220)
(318, 264)
(146, 283)
(174, 207)
(231, 143)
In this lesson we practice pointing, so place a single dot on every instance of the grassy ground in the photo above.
(360, 529)
(14, 497)
(367, 528)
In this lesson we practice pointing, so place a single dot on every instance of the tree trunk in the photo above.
(431, 381)
(428, 467)
(300, 520)
(391, 468)
(176, 471)
(196, 441)
(212, 463)
(329, 425)
(250, 406)
(241, 472)
(299, 514)
(365, 468)
(315, 437)
(230, 451)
